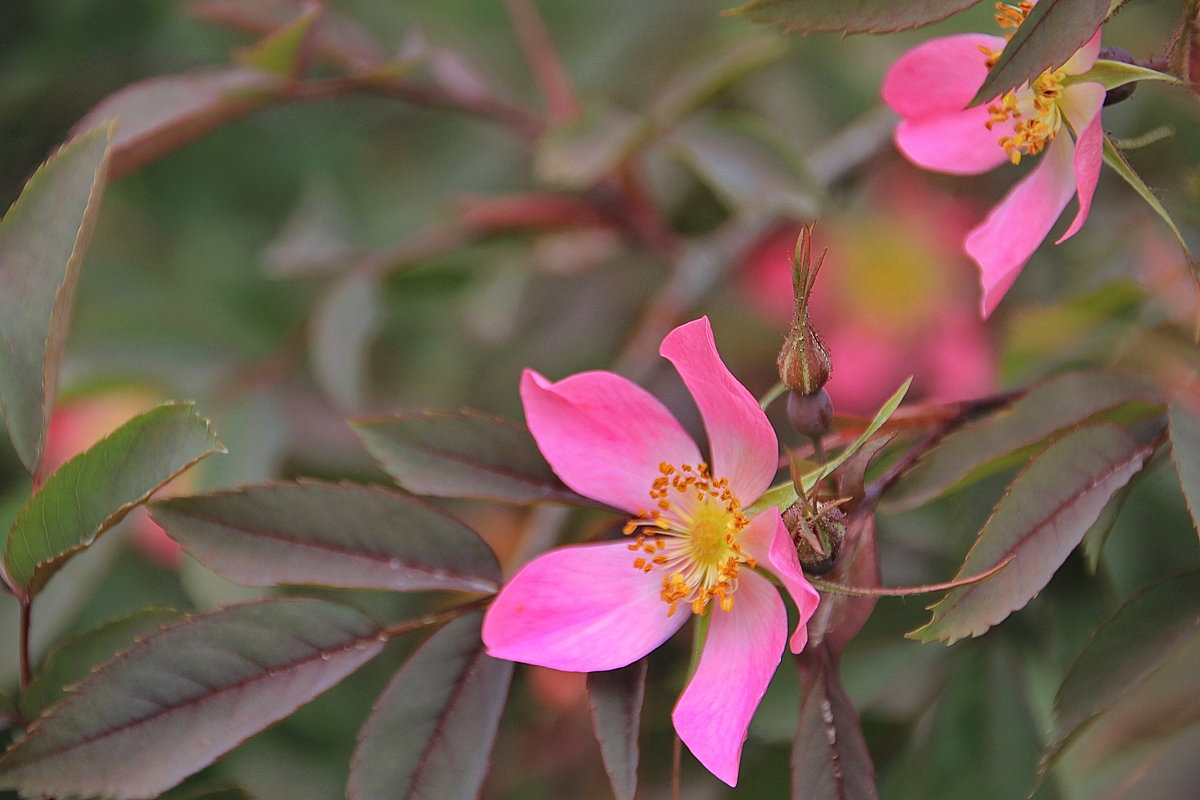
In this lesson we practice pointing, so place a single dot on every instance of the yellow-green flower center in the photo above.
(692, 536)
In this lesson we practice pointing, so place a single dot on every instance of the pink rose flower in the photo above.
(930, 85)
(693, 548)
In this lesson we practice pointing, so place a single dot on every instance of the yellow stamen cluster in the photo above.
(1035, 115)
(1033, 109)
(691, 534)
(1010, 16)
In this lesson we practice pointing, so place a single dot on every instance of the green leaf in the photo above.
(74, 659)
(329, 535)
(465, 454)
(692, 88)
(1041, 518)
(849, 16)
(43, 240)
(784, 494)
(280, 52)
(431, 731)
(1009, 436)
(748, 176)
(344, 323)
(830, 759)
(615, 698)
(1117, 161)
(1183, 421)
(220, 793)
(163, 114)
(181, 698)
(97, 488)
(1111, 74)
(1127, 649)
(983, 739)
(1047, 38)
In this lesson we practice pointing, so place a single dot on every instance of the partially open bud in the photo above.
(817, 536)
(804, 364)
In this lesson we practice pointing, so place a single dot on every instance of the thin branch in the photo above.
(544, 62)
(26, 619)
(906, 591)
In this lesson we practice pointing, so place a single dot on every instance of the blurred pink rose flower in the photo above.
(602, 606)
(930, 85)
(894, 297)
(76, 425)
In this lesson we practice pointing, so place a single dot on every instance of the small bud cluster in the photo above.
(818, 530)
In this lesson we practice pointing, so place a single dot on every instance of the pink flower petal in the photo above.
(767, 539)
(1085, 57)
(1007, 238)
(743, 443)
(1082, 103)
(580, 609)
(740, 656)
(603, 435)
(938, 76)
(954, 142)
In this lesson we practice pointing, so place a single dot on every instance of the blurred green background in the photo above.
(224, 273)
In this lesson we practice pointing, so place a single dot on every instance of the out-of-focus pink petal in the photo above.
(603, 435)
(580, 609)
(954, 142)
(1085, 57)
(1082, 103)
(1007, 238)
(743, 443)
(740, 656)
(768, 541)
(938, 76)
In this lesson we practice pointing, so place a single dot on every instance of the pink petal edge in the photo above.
(939, 75)
(955, 142)
(1082, 103)
(1003, 242)
(768, 541)
(1085, 57)
(580, 609)
(741, 654)
(744, 447)
(604, 435)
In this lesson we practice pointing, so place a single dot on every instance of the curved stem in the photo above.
(863, 591)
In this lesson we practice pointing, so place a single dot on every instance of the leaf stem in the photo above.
(433, 618)
(26, 619)
(771, 394)
(676, 764)
(864, 591)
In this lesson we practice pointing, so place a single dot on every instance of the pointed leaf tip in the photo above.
(97, 488)
(1042, 517)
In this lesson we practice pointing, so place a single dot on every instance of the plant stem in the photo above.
(435, 617)
(26, 617)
